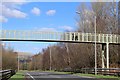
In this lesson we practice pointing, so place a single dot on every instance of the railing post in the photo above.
(107, 38)
(23, 35)
(99, 37)
(4, 33)
(87, 37)
(111, 39)
(103, 38)
(56, 35)
(78, 36)
(115, 39)
(118, 41)
(82, 37)
(90, 37)
(14, 34)
(74, 36)
(70, 36)
(66, 37)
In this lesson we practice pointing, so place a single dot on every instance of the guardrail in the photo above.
(102, 71)
(6, 74)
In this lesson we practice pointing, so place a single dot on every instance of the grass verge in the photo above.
(18, 76)
(95, 76)
(91, 75)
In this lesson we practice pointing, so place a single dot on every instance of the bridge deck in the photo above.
(27, 35)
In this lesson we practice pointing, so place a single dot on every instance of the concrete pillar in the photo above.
(103, 50)
(107, 54)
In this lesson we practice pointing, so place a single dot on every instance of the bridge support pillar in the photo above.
(107, 54)
(102, 55)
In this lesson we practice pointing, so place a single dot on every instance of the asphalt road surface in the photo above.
(54, 76)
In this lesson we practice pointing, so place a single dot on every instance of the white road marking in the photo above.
(31, 76)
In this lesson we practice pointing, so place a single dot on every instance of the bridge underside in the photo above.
(55, 41)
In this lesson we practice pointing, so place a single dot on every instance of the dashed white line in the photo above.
(31, 76)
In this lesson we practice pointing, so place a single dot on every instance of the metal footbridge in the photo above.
(74, 37)
(31, 35)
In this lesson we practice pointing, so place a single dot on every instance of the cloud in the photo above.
(46, 29)
(9, 8)
(3, 19)
(36, 11)
(36, 48)
(51, 12)
(7, 12)
(66, 28)
(15, 1)
(12, 12)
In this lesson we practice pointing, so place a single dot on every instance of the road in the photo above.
(54, 76)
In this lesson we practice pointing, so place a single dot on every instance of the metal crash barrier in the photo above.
(103, 71)
(6, 74)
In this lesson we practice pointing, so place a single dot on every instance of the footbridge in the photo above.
(31, 35)
(74, 37)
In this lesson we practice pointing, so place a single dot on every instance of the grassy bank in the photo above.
(18, 76)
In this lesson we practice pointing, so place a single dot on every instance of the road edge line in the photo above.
(31, 76)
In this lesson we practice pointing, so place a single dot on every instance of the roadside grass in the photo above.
(18, 76)
(89, 75)
(97, 76)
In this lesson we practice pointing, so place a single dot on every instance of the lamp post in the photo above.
(95, 46)
(18, 61)
(95, 42)
(50, 59)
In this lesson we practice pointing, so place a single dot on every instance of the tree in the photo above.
(106, 22)
(9, 58)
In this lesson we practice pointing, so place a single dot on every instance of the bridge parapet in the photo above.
(59, 36)
(90, 37)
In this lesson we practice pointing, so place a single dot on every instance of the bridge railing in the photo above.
(59, 36)
(33, 35)
(6, 74)
(90, 37)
